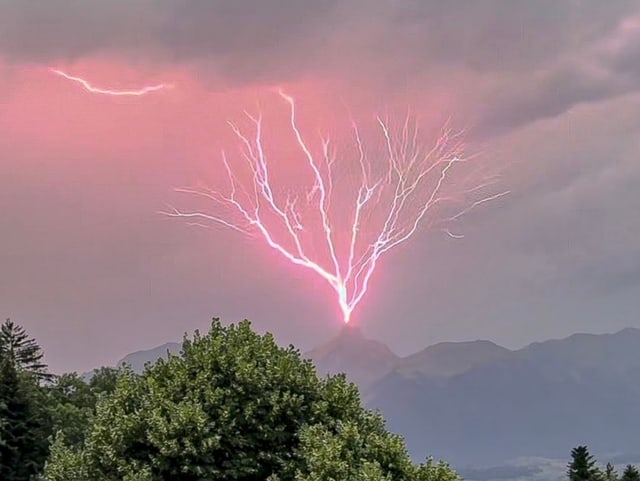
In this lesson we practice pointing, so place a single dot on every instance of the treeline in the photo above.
(35, 405)
(583, 467)
(233, 406)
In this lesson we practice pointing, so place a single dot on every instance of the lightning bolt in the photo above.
(118, 93)
(390, 200)
(452, 235)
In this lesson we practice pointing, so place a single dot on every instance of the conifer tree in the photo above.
(22, 351)
(582, 466)
(630, 473)
(23, 424)
(610, 473)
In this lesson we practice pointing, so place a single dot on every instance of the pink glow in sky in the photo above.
(353, 205)
(89, 267)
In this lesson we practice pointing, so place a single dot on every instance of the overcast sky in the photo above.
(548, 91)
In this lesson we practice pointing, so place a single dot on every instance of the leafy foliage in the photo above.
(73, 401)
(431, 471)
(235, 406)
(232, 406)
(103, 381)
(356, 449)
(65, 463)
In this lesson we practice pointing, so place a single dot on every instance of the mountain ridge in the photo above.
(476, 403)
(137, 359)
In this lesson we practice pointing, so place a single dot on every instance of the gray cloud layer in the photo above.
(484, 35)
(536, 59)
(604, 68)
(554, 79)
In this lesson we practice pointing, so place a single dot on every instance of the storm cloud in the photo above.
(550, 90)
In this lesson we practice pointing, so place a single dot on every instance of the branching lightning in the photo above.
(118, 93)
(399, 187)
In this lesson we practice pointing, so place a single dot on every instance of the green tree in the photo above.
(73, 401)
(103, 381)
(582, 466)
(71, 405)
(358, 449)
(610, 473)
(23, 424)
(431, 471)
(23, 351)
(65, 463)
(234, 406)
(630, 473)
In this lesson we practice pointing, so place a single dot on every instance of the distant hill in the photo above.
(137, 360)
(363, 360)
(450, 358)
(479, 404)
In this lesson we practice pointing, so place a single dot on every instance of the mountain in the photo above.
(450, 358)
(479, 404)
(362, 360)
(538, 401)
(138, 359)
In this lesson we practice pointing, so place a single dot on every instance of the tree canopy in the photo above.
(235, 406)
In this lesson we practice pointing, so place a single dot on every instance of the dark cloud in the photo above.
(547, 97)
(488, 35)
(531, 60)
(573, 213)
(168, 30)
(554, 79)
(493, 34)
(602, 69)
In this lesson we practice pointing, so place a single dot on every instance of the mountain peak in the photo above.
(351, 333)
(451, 358)
(362, 360)
(137, 360)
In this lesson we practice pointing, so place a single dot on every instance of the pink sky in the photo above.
(91, 269)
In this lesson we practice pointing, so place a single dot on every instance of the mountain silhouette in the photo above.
(479, 404)
(137, 360)
(362, 360)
